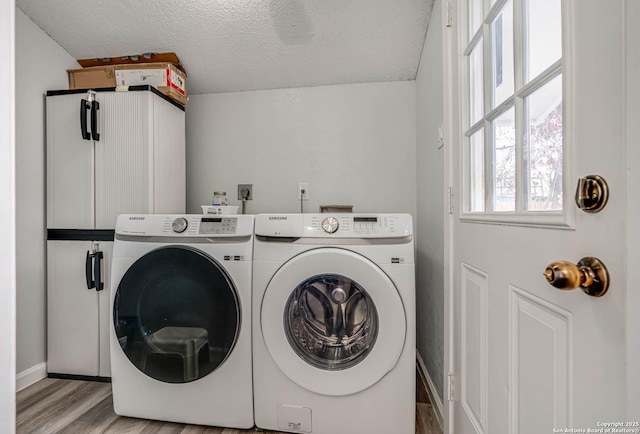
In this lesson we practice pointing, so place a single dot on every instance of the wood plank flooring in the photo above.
(53, 406)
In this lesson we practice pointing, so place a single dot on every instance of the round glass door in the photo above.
(176, 314)
(333, 321)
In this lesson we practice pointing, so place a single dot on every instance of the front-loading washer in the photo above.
(334, 323)
(181, 319)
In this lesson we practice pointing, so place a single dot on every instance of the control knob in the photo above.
(330, 225)
(179, 225)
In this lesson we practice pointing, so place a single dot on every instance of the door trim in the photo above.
(632, 110)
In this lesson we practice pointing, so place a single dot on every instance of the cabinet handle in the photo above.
(88, 270)
(97, 270)
(84, 106)
(95, 106)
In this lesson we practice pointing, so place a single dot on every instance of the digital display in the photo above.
(218, 225)
(365, 219)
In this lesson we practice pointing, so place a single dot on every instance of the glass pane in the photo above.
(331, 322)
(476, 93)
(476, 172)
(504, 169)
(502, 56)
(176, 314)
(544, 138)
(475, 16)
(544, 35)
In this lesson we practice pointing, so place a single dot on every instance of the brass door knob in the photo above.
(590, 274)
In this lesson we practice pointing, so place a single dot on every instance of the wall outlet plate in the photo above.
(303, 191)
(245, 191)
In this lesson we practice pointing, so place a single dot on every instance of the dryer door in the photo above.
(333, 321)
(176, 314)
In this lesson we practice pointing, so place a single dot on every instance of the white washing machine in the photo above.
(334, 323)
(181, 319)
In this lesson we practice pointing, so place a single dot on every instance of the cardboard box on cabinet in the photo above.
(166, 77)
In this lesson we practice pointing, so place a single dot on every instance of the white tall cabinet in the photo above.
(108, 153)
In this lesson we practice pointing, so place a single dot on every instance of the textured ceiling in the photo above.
(234, 45)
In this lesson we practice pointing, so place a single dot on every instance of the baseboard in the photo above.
(30, 376)
(431, 390)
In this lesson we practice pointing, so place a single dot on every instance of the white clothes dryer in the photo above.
(334, 323)
(181, 319)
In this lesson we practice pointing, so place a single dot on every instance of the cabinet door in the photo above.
(72, 311)
(124, 156)
(104, 299)
(169, 175)
(70, 180)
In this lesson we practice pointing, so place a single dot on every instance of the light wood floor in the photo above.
(71, 406)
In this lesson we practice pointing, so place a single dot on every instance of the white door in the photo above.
(124, 156)
(70, 170)
(72, 311)
(529, 112)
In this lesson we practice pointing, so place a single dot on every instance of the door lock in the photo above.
(592, 193)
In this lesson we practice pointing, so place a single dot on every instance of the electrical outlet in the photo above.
(245, 191)
(303, 190)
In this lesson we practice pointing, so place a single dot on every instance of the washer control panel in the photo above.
(344, 225)
(356, 226)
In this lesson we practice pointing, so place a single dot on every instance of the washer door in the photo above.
(333, 321)
(176, 314)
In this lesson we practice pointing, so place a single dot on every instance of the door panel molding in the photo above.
(537, 326)
(475, 342)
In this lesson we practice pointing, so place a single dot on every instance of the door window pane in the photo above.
(331, 322)
(544, 138)
(475, 16)
(476, 84)
(543, 36)
(476, 172)
(502, 55)
(504, 168)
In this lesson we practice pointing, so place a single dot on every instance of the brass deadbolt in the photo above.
(590, 274)
(592, 193)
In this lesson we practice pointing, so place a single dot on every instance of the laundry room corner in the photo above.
(430, 212)
(41, 64)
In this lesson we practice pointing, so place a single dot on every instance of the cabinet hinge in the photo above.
(450, 386)
(448, 14)
(450, 200)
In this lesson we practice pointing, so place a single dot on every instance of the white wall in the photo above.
(430, 226)
(7, 221)
(353, 144)
(41, 65)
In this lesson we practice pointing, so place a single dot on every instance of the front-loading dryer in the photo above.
(334, 323)
(181, 319)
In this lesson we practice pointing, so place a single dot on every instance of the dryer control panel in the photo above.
(189, 225)
(218, 225)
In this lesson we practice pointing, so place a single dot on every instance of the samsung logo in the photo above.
(136, 218)
(277, 218)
